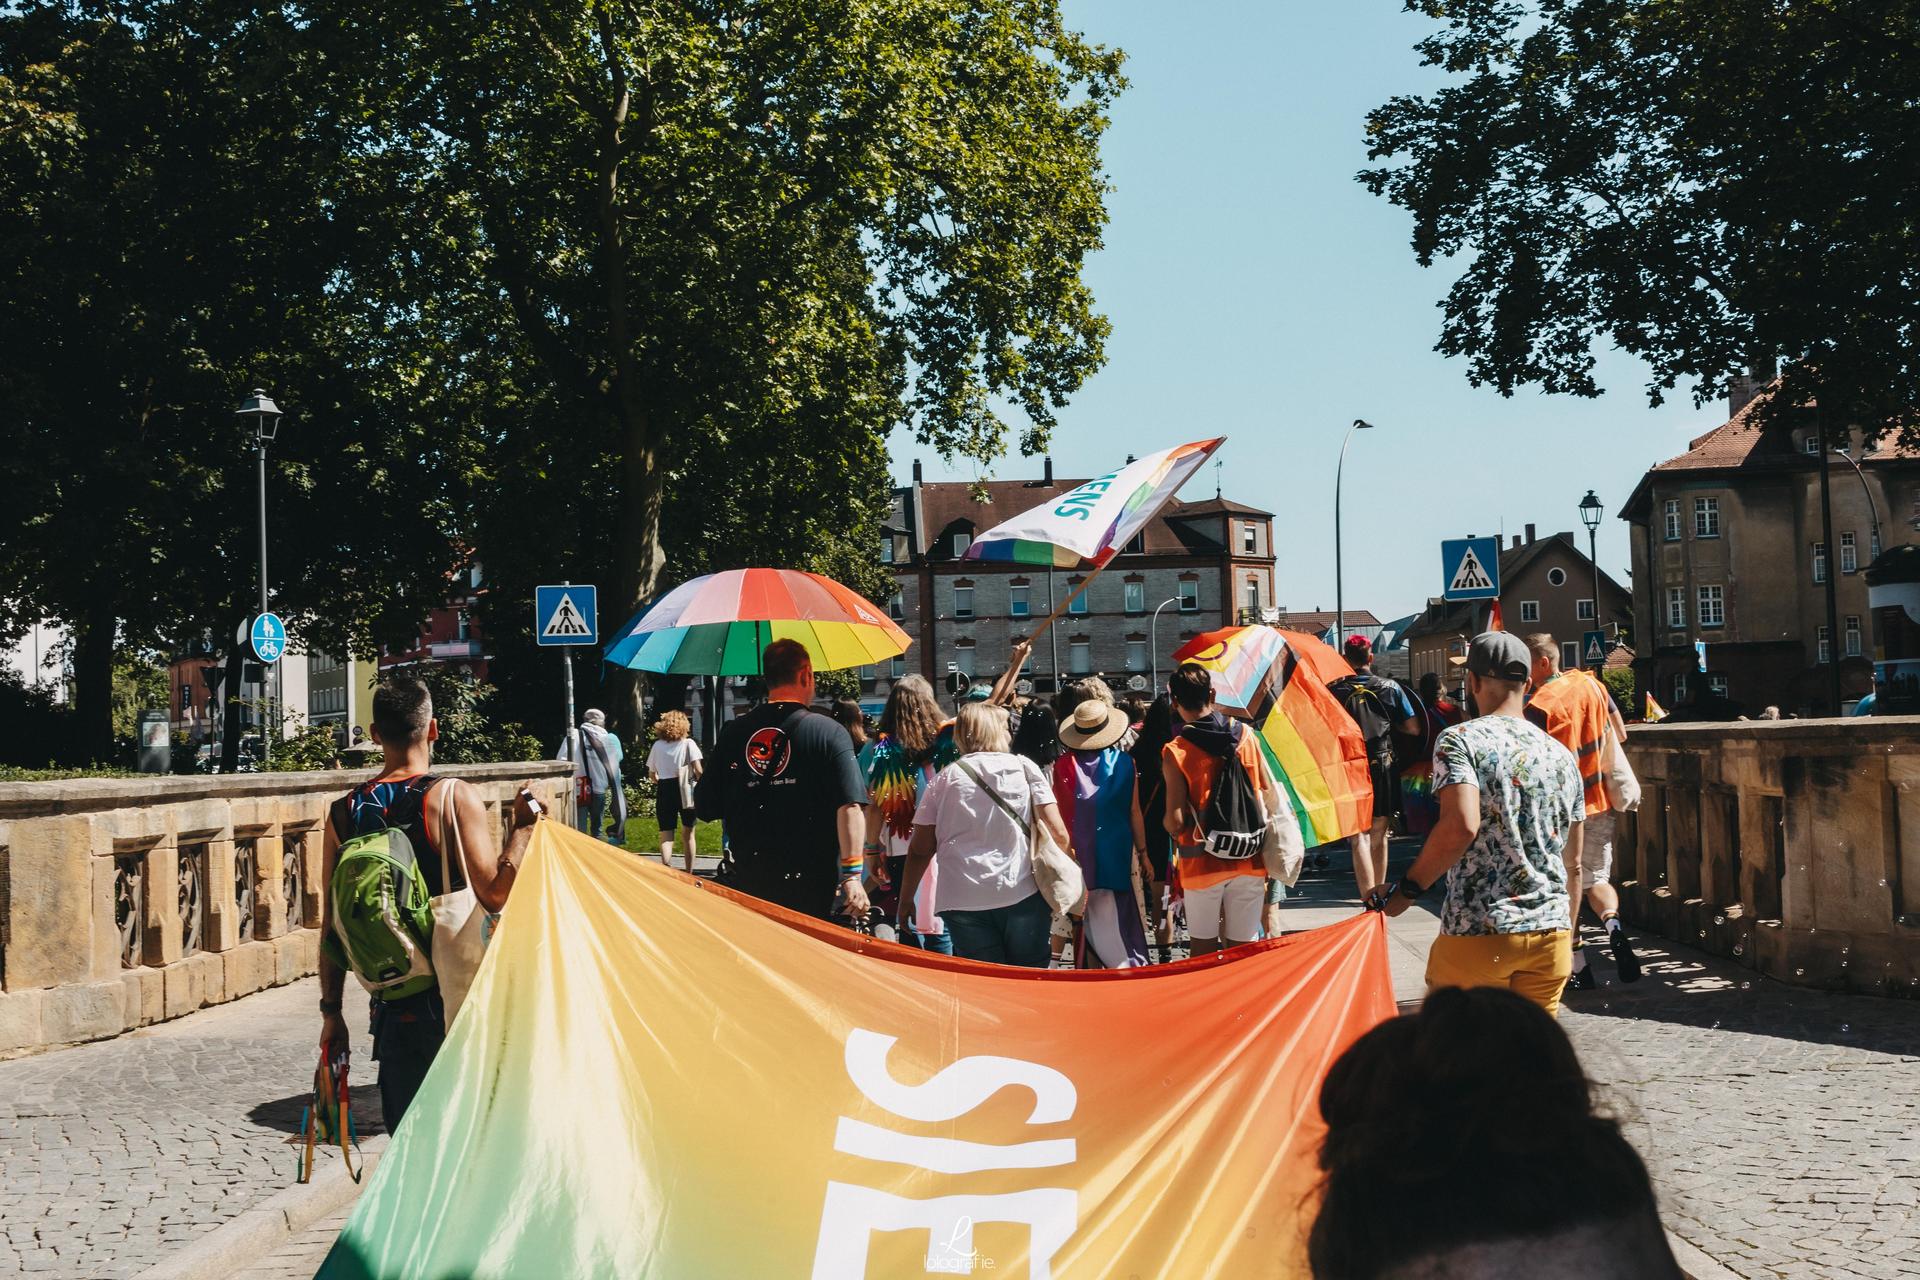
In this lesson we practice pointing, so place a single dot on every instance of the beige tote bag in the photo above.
(461, 927)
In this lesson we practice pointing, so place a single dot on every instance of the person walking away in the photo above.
(912, 747)
(785, 781)
(1381, 708)
(596, 776)
(1508, 840)
(1577, 712)
(1095, 785)
(616, 830)
(1156, 731)
(446, 822)
(1418, 809)
(674, 763)
(847, 714)
(1224, 897)
(976, 821)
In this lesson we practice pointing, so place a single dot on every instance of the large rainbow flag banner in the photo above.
(1093, 521)
(655, 1077)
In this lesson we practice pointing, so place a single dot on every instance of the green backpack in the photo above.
(381, 914)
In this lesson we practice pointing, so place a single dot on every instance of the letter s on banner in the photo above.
(958, 1087)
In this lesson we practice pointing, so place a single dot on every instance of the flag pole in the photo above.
(1066, 604)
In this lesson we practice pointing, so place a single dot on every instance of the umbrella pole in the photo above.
(1065, 605)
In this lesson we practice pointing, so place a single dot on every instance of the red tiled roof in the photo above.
(1317, 620)
(1745, 441)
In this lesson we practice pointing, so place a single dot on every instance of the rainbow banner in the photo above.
(1319, 755)
(1095, 520)
(655, 1077)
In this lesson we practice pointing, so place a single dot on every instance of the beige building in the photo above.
(1728, 548)
(1546, 584)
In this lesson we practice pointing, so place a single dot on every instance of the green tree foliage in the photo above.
(1711, 186)
(468, 732)
(1619, 682)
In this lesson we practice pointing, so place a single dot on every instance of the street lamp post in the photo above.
(1590, 513)
(266, 422)
(1339, 584)
(1873, 507)
(1153, 640)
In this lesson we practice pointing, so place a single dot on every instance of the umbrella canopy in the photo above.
(1241, 659)
(719, 624)
(1317, 656)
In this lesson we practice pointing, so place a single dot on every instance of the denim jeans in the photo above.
(588, 817)
(1015, 935)
(941, 942)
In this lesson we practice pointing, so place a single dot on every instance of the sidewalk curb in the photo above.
(260, 1230)
(1696, 1265)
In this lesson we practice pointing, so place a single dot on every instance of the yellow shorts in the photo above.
(1534, 965)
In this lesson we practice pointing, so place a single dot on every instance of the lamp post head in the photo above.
(1590, 510)
(265, 414)
(1361, 424)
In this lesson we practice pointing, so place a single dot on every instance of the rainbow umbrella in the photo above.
(719, 624)
(1313, 745)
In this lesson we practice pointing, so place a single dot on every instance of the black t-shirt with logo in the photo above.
(780, 775)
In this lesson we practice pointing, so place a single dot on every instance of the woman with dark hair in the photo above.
(1156, 731)
(1036, 733)
(914, 744)
(1463, 1140)
(848, 715)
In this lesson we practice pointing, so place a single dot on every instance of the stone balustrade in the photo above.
(128, 901)
(1791, 847)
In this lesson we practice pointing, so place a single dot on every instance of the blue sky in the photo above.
(1257, 291)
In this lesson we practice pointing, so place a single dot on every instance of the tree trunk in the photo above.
(93, 684)
(638, 558)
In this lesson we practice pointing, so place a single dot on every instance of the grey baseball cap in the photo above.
(1499, 654)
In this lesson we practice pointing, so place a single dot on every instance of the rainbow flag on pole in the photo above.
(1095, 520)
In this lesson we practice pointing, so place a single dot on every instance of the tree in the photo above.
(173, 228)
(729, 245)
(1710, 186)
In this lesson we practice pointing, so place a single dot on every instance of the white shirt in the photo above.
(668, 760)
(983, 854)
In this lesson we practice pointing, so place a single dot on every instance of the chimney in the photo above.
(1046, 476)
(1743, 387)
(1530, 535)
(1516, 542)
(918, 475)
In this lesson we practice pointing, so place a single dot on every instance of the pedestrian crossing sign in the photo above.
(1470, 568)
(1593, 649)
(565, 614)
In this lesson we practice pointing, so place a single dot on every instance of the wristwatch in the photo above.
(1410, 890)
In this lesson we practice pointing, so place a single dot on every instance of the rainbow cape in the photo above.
(654, 1077)
(1095, 520)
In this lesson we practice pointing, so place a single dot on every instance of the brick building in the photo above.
(1546, 584)
(1198, 565)
(1728, 549)
(451, 633)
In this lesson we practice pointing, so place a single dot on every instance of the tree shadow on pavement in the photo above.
(1690, 988)
(283, 1114)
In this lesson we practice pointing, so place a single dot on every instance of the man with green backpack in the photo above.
(406, 857)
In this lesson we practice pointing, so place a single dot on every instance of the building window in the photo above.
(963, 658)
(897, 605)
(1017, 605)
(1873, 546)
(1556, 577)
(460, 624)
(1712, 606)
(1569, 654)
(961, 541)
(1189, 595)
(869, 674)
(1848, 562)
(1253, 593)
(1819, 562)
(1136, 545)
(1081, 605)
(1673, 519)
(1136, 597)
(886, 548)
(1079, 657)
(1136, 655)
(963, 602)
(1249, 539)
(1826, 645)
(1853, 635)
(1529, 611)
(1706, 517)
(1680, 687)
(1717, 685)
(1676, 608)
(896, 668)
(1812, 446)
(1583, 610)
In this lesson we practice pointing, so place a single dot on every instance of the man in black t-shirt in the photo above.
(785, 781)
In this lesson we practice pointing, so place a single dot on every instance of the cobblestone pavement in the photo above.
(112, 1154)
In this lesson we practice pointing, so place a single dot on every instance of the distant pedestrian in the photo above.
(1036, 733)
(1508, 840)
(596, 776)
(785, 781)
(1094, 782)
(976, 821)
(1225, 897)
(1381, 708)
(455, 845)
(1577, 712)
(674, 763)
(847, 714)
(1156, 731)
(913, 746)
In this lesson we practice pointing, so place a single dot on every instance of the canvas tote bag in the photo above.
(461, 926)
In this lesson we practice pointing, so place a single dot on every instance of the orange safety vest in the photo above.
(1575, 708)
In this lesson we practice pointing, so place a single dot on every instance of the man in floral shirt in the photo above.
(1508, 839)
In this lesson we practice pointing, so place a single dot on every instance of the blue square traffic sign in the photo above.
(566, 614)
(1470, 568)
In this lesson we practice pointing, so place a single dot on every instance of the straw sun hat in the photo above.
(1094, 725)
